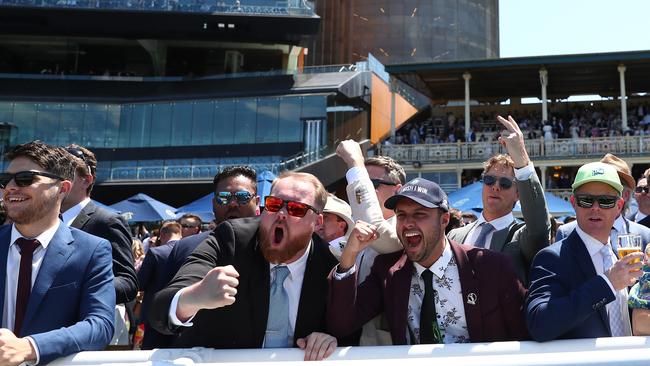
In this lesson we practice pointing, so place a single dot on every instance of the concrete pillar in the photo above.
(621, 75)
(393, 87)
(542, 179)
(467, 76)
(543, 80)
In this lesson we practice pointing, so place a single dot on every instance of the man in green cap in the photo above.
(578, 287)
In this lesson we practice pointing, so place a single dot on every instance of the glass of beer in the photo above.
(628, 244)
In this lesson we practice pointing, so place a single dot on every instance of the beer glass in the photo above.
(628, 244)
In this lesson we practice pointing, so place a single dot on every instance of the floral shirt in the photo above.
(448, 300)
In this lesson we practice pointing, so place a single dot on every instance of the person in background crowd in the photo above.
(455, 220)
(138, 253)
(643, 199)
(261, 280)
(58, 294)
(639, 300)
(337, 224)
(506, 179)
(578, 287)
(190, 224)
(460, 282)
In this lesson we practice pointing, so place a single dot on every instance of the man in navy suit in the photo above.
(578, 287)
(643, 199)
(56, 282)
(235, 196)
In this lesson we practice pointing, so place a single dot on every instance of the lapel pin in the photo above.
(357, 194)
(471, 298)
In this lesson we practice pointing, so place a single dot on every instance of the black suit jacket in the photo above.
(180, 252)
(102, 223)
(645, 222)
(243, 324)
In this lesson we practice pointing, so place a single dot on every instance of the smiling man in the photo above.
(257, 282)
(435, 290)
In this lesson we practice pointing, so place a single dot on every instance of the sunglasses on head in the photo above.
(642, 189)
(24, 178)
(242, 197)
(80, 154)
(294, 208)
(604, 201)
(377, 182)
(504, 183)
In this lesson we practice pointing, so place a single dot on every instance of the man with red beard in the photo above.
(435, 290)
(256, 282)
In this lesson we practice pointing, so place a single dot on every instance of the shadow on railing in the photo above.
(537, 149)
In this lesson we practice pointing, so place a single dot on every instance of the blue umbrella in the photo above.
(142, 208)
(99, 204)
(201, 207)
(264, 180)
(470, 198)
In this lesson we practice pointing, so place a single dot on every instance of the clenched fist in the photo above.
(217, 289)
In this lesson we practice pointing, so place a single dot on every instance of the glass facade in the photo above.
(275, 119)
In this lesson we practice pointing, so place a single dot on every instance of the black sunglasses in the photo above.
(24, 178)
(242, 197)
(377, 182)
(642, 189)
(504, 183)
(188, 226)
(604, 201)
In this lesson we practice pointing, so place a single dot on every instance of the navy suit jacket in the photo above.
(72, 304)
(566, 298)
(180, 252)
(645, 222)
(633, 227)
(100, 222)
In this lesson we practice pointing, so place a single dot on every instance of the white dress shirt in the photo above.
(71, 214)
(593, 247)
(502, 222)
(619, 228)
(292, 285)
(13, 269)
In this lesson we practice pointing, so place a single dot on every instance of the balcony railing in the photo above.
(257, 7)
(537, 149)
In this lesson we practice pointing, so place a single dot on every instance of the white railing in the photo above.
(540, 149)
(632, 351)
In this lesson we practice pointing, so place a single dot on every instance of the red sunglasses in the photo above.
(294, 208)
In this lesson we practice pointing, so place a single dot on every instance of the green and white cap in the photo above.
(598, 172)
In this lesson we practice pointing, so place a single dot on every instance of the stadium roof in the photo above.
(499, 79)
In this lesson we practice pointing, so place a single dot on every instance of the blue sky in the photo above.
(555, 27)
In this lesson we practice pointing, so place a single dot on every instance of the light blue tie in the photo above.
(277, 326)
(614, 313)
(486, 229)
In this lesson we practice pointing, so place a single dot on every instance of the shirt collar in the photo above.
(438, 267)
(592, 244)
(297, 266)
(70, 214)
(640, 216)
(44, 238)
(499, 223)
(619, 225)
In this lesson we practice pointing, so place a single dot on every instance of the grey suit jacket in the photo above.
(528, 239)
(632, 228)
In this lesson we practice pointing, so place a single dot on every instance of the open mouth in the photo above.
(15, 199)
(278, 235)
(412, 238)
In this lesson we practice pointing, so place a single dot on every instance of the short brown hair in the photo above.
(501, 159)
(320, 193)
(52, 159)
(189, 216)
(393, 170)
(86, 163)
(170, 227)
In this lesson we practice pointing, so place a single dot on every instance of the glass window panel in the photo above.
(124, 126)
(223, 128)
(141, 125)
(47, 123)
(25, 121)
(246, 121)
(201, 122)
(95, 127)
(6, 112)
(267, 120)
(314, 106)
(181, 122)
(162, 120)
(71, 130)
(290, 124)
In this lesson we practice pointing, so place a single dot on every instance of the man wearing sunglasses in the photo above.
(80, 212)
(622, 225)
(506, 179)
(58, 296)
(643, 199)
(190, 225)
(257, 282)
(578, 287)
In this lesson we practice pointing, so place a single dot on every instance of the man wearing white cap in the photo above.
(337, 224)
(578, 288)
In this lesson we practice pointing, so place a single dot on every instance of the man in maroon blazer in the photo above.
(435, 290)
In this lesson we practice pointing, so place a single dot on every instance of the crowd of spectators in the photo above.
(579, 121)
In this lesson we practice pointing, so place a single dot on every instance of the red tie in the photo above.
(27, 247)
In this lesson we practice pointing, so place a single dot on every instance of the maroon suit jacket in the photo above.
(495, 315)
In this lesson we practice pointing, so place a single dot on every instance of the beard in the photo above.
(39, 208)
(281, 254)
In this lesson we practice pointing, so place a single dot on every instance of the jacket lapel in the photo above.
(469, 284)
(5, 237)
(58, 251)
(308, 293)
(83, 216)
(260, 287)
(465, 232)
(499, 238)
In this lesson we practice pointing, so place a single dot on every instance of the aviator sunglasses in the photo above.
(242, 197)
(604, 201)
(294, 208)
(24, 178)
(642, 189)
(504, 183)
